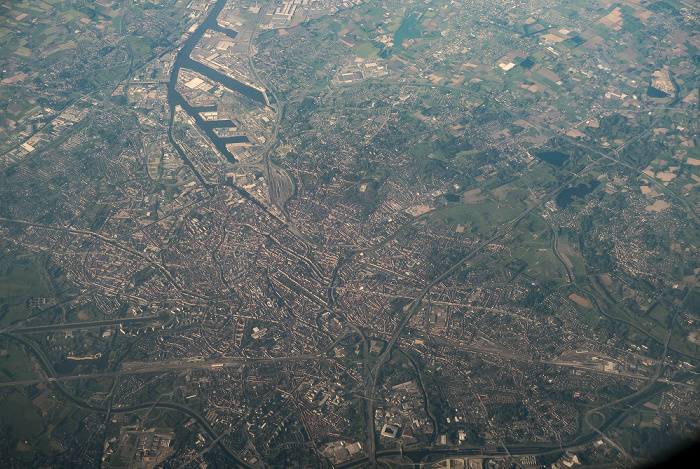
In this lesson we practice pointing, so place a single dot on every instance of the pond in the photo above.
(554, 157)
(565, 197)
(656, 93)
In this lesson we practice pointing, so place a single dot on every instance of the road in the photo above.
(415, 306)
(653, 180)
(417, 454)
(640, 393)
(50, 373)
(503, 230)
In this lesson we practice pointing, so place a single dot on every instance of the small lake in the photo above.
(656, 93)
(554, 157)
(565, 197)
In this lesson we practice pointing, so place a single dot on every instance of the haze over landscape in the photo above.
(363, 233)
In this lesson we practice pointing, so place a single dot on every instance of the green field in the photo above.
(375, 12)
(19, 417)
(659, 313)
(366, 50)
(14, 363)
(482, 218)
(543, 265)
(19, 279)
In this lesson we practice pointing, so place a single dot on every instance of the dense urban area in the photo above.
(362, 233)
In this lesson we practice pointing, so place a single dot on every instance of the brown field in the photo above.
(580, 300)
(611, 18)
(21, 446)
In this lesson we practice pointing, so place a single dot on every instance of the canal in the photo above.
(183, 60)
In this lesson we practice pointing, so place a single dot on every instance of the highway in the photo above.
(418, 453)
(50, 373)
(415, 306)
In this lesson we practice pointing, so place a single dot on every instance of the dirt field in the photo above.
(580, 300)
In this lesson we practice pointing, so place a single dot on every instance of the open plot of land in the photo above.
(19, 417)
(15, 365)
(19, 280)
(579, 300)
(482, 218)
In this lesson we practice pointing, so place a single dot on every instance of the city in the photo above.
(316, 233)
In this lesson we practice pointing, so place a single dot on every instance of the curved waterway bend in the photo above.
(183, 60)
